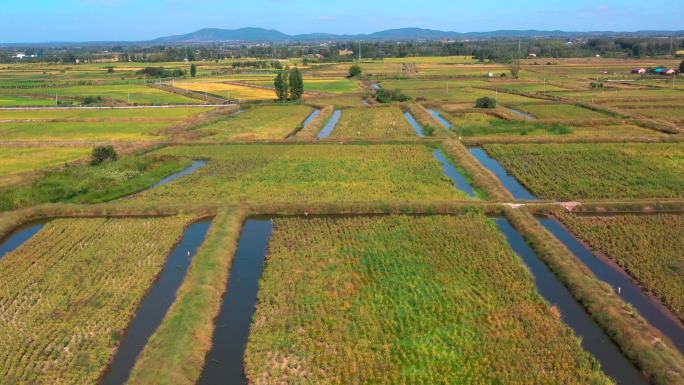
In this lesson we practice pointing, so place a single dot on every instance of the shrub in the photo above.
(355, 71)
(103, 154)
(92, 100)
(387, 96)
(429, 130)
(485, 102)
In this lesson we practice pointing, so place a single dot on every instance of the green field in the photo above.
(377, 122)
(258, 123)
(405, 300)
(597, 171)
(139, 93)
(70, 292)
(648, 247)
(91, 184)
(14, 160)
(308, 173)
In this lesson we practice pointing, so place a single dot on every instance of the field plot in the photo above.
(91, 184)
(376, 122)
(23, 101)
(384, 300)
(260, 122)
(648, 247)
(560, 111)
(229, 91)
(138, 93)
(308, 173)
(477, 124)
(69, 293)
(14, 160)
(91, 125)
(329, 85)
(597, 171)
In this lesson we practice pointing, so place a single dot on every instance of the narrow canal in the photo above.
(155, 305)
(510, 183)
(594, 339)
(648, 306)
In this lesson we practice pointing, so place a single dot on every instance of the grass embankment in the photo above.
(373, 122)
(259, 123)
(312, 173)
(648, 247)
(380, 300)
(598, 171)
(425, 119)
(92, 184)
(639, 341)
(175, 354)
(311, 131)
(69, 293)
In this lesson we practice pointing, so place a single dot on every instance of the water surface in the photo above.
(441, 119)
(197, 164)
(311, 117)
(414, 123)
(18, 237)
(330, 126)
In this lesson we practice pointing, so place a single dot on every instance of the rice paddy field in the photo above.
(377, 122)
(70, 292)
(307, 173)
(399, 300)
(595, 171)
(648, 247)
(14, 160)
(412, 296)
(258, 123)
(91, 125)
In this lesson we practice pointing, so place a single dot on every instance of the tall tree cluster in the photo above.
(289, 85)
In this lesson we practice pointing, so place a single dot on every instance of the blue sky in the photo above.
(84, 20)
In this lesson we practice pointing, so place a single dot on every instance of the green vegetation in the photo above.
(296, 84)
(598, 171)
(376, 122)
(307, 173)
(69, 293)
(355, 71)
(102, 154)
(281, 85)
(91, 184)
(258, 123)
(161, 72)
(388, 96)
(648, 247)
(383, 300)
(485, 102)
(514, 127)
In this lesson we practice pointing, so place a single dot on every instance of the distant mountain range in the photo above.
(262, 35)
(208, 35)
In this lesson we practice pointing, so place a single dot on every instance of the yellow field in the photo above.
(229, 91)
(14, 160)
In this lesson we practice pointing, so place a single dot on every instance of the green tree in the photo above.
(515, 68)
(355, 71)
(103, 154)
(296, 84)
(281, 86)
(193, 70)
(681, 67)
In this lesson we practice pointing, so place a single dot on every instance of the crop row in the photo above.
(69, 293)
(405, 300)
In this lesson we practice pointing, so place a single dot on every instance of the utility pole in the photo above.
(519, 50)
(359, 51)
